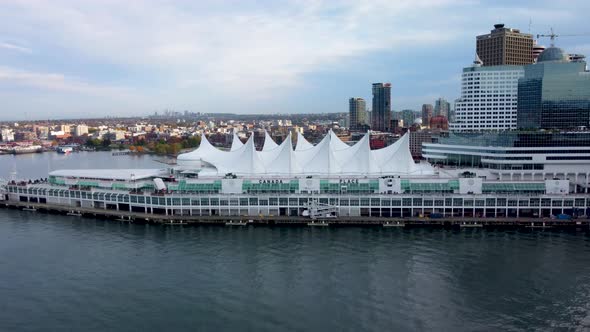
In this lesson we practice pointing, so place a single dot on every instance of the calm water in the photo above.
(70, 273)
(36, 165)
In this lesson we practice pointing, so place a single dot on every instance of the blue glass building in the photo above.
(554, 93)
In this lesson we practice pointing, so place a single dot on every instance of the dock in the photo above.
(383, 222)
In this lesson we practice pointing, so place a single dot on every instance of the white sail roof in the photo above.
(285, 161)
(399, 161)
(329, 157)
(269, 144)
(302, 143)
(324, 159)
(205, 151)
(246, 160)
(361, 160)
(336, 142)
(236, 143)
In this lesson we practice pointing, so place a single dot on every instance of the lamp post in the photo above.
(134, 183)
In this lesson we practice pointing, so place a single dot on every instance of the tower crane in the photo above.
(552, 35)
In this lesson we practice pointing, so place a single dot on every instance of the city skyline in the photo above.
(102, 59)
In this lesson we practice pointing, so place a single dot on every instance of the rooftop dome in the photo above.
(553, 54)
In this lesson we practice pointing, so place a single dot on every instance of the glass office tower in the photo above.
(554, 93)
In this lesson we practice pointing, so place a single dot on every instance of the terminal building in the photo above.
(328, 180)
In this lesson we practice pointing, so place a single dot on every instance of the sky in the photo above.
(64, 59)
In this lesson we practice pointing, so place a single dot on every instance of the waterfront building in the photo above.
(381, 112)
(554, 93)
(42, 132)
(25, 135)
(489, 97)
(115, 135)
(505, 46)
(357, 111)
(441, 108)
(328, 180)
(517, 155)
(7, 135)
(66, 129)
(81, 130)
(427, 110)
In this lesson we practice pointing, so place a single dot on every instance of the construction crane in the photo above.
(552, 36)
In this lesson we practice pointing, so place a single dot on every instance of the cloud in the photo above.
(57, 82)
(14, 47)
(231, 54)
(250, 48)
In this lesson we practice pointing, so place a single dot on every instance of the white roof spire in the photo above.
(269, 143)
(329, 157)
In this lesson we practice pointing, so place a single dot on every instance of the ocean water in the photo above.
(37, 165)
(61, 273)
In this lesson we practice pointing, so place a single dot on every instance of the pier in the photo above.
(580, 224)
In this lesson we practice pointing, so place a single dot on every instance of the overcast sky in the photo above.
(64, 58)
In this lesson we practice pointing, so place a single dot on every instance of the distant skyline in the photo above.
(67, 59)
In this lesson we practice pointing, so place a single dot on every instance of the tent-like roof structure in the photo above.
(331, 157)
(236, 143)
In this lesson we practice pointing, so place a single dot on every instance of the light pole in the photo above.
(134, 183)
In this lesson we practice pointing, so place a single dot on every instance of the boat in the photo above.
(65, 149)
(26, 149)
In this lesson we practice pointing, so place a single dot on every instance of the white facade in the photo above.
(81, 130)
(7, 135)
(488, 98)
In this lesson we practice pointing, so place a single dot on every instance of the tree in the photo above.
(93, 143)
(173, 148)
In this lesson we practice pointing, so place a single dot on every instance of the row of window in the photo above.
(405, 201)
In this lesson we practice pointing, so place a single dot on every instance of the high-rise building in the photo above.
(65, 128)
(7, 135)
(505, 46)
(81, 130)
(381, 113)
(441, 107)
(488, 99)
(554, 93)
(357, 111)
(427, 110)
(408, 117)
